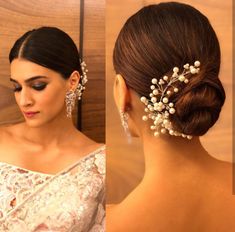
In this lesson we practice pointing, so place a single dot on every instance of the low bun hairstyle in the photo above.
(160, 37)
(49, 47)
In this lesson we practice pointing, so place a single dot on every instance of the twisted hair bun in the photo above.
(198, 108)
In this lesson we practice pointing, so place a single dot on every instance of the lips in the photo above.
(30, 114)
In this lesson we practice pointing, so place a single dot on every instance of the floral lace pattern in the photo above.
(72, 200)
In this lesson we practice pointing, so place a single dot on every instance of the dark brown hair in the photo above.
(49, 47)
(160, 37)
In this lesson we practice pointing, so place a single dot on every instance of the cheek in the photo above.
(51, 98)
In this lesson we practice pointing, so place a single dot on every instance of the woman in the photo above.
(167, 90)
(52, 175)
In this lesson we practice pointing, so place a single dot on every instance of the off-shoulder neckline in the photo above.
(63, 170)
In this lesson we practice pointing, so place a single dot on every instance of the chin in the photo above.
(34, 123)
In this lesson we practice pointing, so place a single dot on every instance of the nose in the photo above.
(25, 98)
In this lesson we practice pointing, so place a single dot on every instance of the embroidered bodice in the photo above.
(72, 200)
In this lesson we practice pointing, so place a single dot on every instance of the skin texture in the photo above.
(183, 189)
(47, 142)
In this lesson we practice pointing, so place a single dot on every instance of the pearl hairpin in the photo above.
(160, 110)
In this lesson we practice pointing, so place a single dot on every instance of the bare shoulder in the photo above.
(222, 171)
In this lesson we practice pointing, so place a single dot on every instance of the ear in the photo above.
(121, 93)
(74, 80)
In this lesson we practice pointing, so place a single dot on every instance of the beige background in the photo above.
(125, 164)
(17, 17)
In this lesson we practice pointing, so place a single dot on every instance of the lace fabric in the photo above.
(72, 200)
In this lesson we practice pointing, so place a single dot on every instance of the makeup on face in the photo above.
(37, 83)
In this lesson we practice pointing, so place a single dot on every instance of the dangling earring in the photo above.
(70, 99)
(124, 120)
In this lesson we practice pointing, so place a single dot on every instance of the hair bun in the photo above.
(198, 109)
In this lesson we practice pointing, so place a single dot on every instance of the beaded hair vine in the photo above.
(81, 86)
(158, 107)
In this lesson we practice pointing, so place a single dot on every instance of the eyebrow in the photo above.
(30, 79)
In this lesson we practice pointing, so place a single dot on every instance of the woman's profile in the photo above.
(168, 92)
(52, 175)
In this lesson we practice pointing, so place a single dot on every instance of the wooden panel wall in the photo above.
(125, 163)
(93, 108)
(17, 17)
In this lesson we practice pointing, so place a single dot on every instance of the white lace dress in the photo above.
(72, 200)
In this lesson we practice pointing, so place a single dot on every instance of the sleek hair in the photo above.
(160, 37)
(49, 47)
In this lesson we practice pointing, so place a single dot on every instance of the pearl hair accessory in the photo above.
(159, 111)
(81, 86)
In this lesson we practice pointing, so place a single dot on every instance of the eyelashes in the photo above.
(37, 87)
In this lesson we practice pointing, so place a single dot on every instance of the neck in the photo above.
(53, 132)
(171, 155)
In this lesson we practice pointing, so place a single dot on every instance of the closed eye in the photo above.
(39, 87)
(17, 88)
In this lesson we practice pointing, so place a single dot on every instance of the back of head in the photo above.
(160, 37)
(49, 47)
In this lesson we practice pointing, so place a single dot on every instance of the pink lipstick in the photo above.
(30, 114)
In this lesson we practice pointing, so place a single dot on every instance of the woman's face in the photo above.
(39, 92)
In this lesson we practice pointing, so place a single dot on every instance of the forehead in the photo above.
(22, 69)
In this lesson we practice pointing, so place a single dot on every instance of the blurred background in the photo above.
(125, 163)
(84, 22)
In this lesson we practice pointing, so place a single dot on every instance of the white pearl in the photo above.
(175, 69)
(143, 99)
(163, 131)
(155, 92)
(155, 122)
(197, 63)
(160, 104)
(165, 78)
(186, 66)
(171, 104)
(146, 110)
(156, 134)
(153, 99)
(165, 121)
(168, 92)
(154, 81)
(174, 75)
(145, 118)
(152, 87)
(165, 99)
(171, 132)
(189, 136)
(150, 95)
(172, 110)
(193, 70)
(152, 127)
(181, 78)
(176, 90)
(186, 81)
